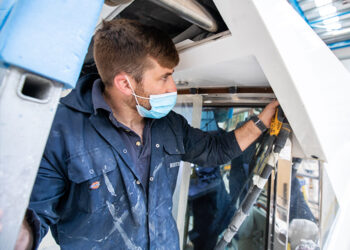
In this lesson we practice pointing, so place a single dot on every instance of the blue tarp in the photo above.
(48, 37)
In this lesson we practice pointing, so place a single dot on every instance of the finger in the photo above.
(275, 103)
(272, 104)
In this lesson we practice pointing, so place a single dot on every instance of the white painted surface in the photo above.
(219, 64)
(310, 82)
(308, 79)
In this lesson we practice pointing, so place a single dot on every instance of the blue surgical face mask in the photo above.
(161, 104)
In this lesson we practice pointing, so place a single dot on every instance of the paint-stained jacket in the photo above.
(86, 189)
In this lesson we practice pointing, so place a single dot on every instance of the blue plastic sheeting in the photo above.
(5, 9)
(329, 17)
(339, 45)
(49, 37)
(332, 46)
(208, 122)
(210, 118)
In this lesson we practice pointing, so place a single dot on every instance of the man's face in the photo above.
(157, 80)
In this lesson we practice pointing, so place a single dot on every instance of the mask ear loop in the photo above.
(133, 92)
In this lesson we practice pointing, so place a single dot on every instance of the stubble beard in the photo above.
(141, 92)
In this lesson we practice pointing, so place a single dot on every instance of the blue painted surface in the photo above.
(49, 37)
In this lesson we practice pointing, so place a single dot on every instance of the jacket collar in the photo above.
(80, 98)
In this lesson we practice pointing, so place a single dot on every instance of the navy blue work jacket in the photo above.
(86, 189)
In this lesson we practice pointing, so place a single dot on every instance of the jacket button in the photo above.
(91, 171)
(138, 182)
(157, 145)
(151, 178)
(125, 151)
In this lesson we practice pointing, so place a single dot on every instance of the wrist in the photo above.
(258, 123)
(25, 238)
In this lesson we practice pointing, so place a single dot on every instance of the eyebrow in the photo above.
(168, 74)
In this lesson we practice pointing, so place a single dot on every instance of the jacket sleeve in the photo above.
(204, 148)
(49, 187)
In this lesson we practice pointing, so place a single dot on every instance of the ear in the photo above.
(121, 83)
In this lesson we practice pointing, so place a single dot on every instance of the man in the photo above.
(110, 165)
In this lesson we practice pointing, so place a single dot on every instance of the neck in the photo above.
(124, 111)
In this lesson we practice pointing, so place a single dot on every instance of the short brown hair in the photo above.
(123, 45)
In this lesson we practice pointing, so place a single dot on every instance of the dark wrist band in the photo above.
(258, 123)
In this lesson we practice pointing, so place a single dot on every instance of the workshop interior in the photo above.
(287, 191)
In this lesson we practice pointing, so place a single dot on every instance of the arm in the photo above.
(49, 187)
(25, 237)
(207, 149)
(248, 133)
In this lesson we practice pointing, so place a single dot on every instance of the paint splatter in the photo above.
(108, 184)
(156, 169)
(117, 226)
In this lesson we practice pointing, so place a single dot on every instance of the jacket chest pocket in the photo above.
(94, 179)
(173, 153)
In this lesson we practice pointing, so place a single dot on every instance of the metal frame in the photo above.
(38, 52)
(183, 180)
(24, 127)
(200, 100)
(279, 201)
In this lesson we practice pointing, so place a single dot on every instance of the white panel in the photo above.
(220, 63)
(310, 82)
(243, 71)
(346, 63)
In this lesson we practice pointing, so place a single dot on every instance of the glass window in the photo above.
(287, 213)
(216, 192)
